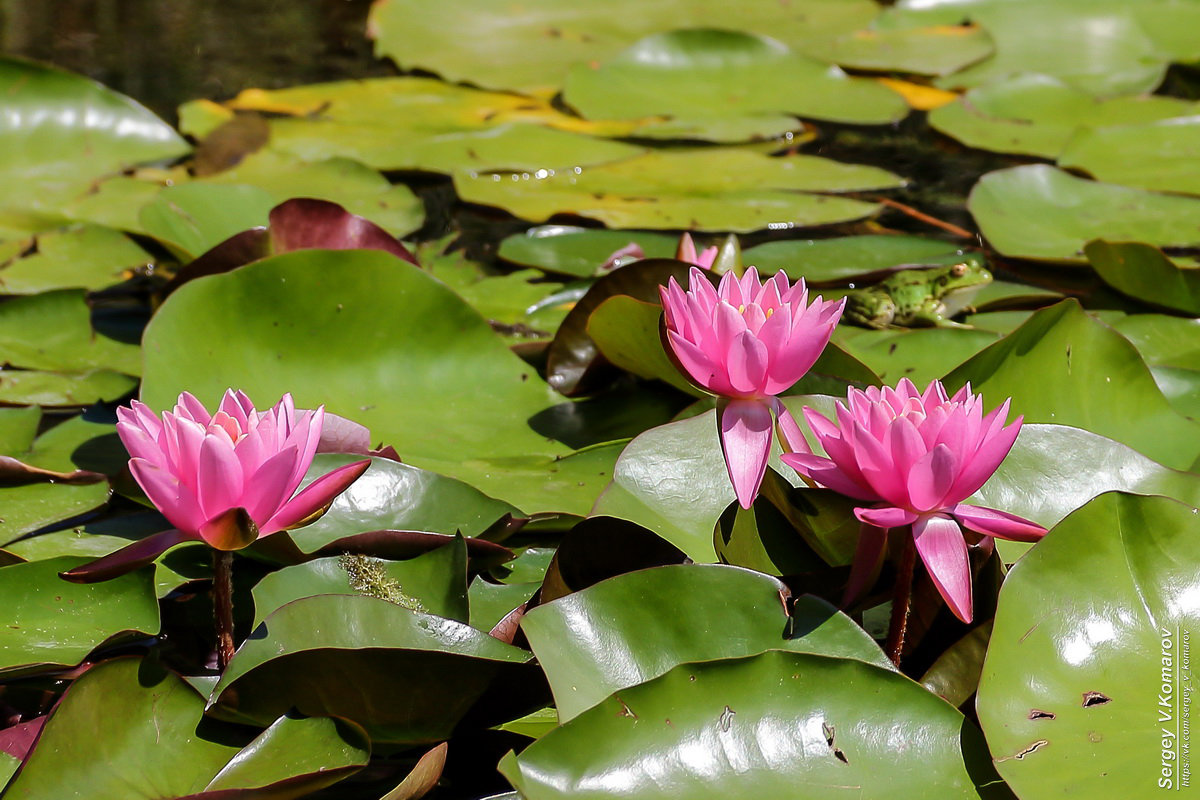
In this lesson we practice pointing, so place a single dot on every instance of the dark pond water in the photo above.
(165, 52)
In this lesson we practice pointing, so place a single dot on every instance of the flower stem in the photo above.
(901, 601)
(223, 605)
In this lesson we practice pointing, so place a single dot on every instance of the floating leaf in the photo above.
(1038, 115)
(426, 124)
(61, 132)
(53, 331)
(78, 443)
(699, 73)
(52, 623)
(539, 45)
(570, 250)
(1142, 271)
(655, 619)
(301, 654)
(399, 497)
(1099, 47)
(1099, 383)
(763, 726)
(936, 50)
(145, 739)
(86, 256)
(708, 190)
(839, 260)
(336, 313)
(1159, 155)
(1037, 211)
(919, 354)
(1089, 698)
(1054, 469)
(435, 583)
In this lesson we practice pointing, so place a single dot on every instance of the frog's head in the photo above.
(957, 284)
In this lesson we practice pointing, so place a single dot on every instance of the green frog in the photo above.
(919, 297)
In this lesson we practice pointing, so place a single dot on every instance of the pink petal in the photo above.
(168, 495)
(686, 251)
(827, 474)
(699, 365)
(931, 478)
(271, 486)
(1000, 524)
(188, 407)
(219, 476)
(317, 495)
(745, 427)
(706, 259)
(790, 435)
(139, 443)
(941, 546)
(746, 363)
(904, 443)
(231, 404)
(868, 560)
(985, 461)
(886, 517)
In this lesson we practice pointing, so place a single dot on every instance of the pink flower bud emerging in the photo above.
(197, 468)
(916, 456)
(746, 342)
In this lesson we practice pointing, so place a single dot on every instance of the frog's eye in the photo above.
(958, 270)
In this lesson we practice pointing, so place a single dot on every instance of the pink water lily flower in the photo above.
(199, 469)
(915, 457)
(746, 342)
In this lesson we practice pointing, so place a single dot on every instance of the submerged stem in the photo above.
(901, 601)
(223, 605)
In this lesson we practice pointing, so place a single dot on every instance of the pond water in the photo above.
(165, 53)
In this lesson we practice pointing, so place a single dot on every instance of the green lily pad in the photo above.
(713, 190)
(351, 184)
(721, 73)
(127, 731)
(771, 725)
(1089, 698)
(52, 623)
(1054, 469)
(334, 315)
(672, 480)
(72, 390)
(71, 445)
(492, 602)
(301, 654)
(842, 259)
(656, 619)
(1142, 271)
(434, 583)
(570, 250)
(86, 256)
(1038, 211)
(425, 124)
(920, 354)
(1160, 156)
(392, 496)
(194, 217)
(1038, 115)
(61, 132)
(1163, 341)
(935, 50)
(1099, 47)
(1100, 383)
(53, 331)
(459, 40)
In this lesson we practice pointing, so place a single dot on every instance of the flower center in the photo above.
(227, 425)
